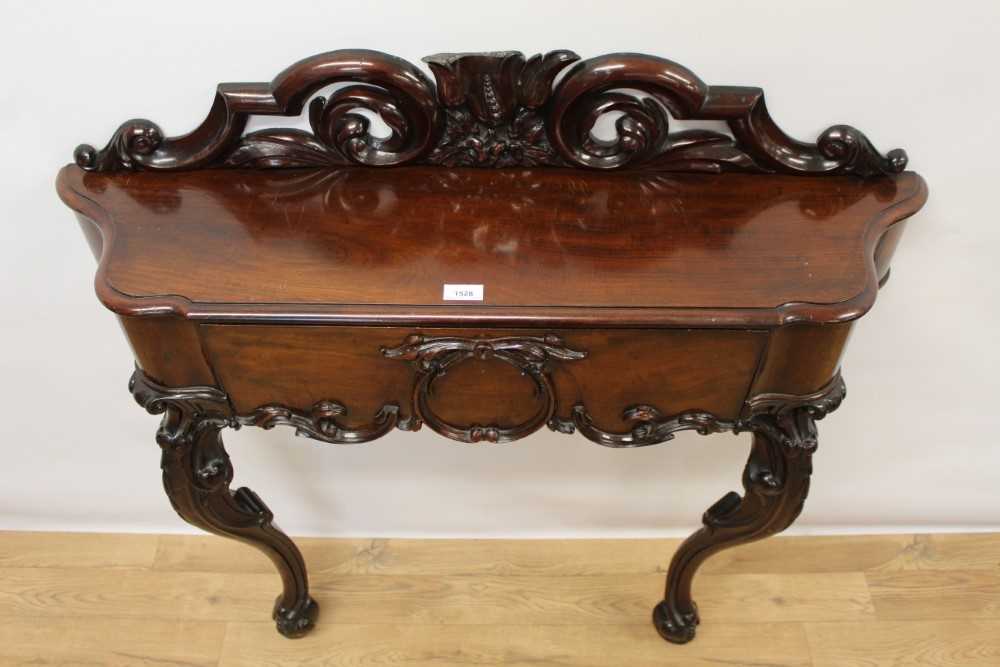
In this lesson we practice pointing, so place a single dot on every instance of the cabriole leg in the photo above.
(197, 474)
(775, 482)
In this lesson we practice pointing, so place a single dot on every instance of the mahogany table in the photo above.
(489, 267)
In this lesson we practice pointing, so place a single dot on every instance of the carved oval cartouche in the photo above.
(433, 357)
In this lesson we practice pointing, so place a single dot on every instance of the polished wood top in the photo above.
(551, 246)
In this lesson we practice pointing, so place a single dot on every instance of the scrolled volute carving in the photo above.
(791, 419)
(190, 411)
(133, 140)
(432, 357)
(189, 434)
(185, 410)
(855, 154)
(493, 110)
(336, 124)
(391, 87)
(320, 422)
(197, 473)
(597, 86)
(649, 426)
(395, 90)
(788, 419)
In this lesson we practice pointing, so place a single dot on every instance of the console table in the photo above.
(487, 267)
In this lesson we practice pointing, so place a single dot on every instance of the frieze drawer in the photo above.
(477, 385)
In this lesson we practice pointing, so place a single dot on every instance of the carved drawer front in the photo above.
(347, 384)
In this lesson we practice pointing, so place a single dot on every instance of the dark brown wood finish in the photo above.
(775, 482)
(492, 109)
(196, 476)
(623, 300)
(610, 249)
(452, 376)
(433, 357)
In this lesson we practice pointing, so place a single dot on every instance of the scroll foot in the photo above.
(775, 482)
(677, 630)
(196, 476)
(296, 621)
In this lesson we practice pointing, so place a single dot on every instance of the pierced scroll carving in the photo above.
(320, 422)
(391, 87)
(650, 426)
(789, 419)
(434, 356)
(493, 110)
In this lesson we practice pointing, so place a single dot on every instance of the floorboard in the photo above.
(91, 599)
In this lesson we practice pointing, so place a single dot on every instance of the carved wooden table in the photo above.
(626, 288)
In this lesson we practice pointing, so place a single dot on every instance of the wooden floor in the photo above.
(78, 599)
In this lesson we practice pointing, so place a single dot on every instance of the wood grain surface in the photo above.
(75, 599)
(702, 250)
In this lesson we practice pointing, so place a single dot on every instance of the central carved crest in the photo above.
(491, 102)
(496, 109)
(494, 84)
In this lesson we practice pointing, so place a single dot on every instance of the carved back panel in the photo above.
(492, 110)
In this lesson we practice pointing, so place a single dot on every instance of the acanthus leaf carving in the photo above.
(776, 482)
(703, 150)
(649, 426)
(197, 471)
(491, 102)
(186, 410)
(197, 474)
(494, 110)
(320, 422)
(282, 149)
(788, 419)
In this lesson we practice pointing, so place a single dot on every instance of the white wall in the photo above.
(915, 444)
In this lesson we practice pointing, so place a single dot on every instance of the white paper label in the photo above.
(463, 293)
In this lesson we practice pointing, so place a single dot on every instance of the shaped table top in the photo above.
(549, 246)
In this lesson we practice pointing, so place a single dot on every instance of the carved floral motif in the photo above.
(493, 110)
(492, 101)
